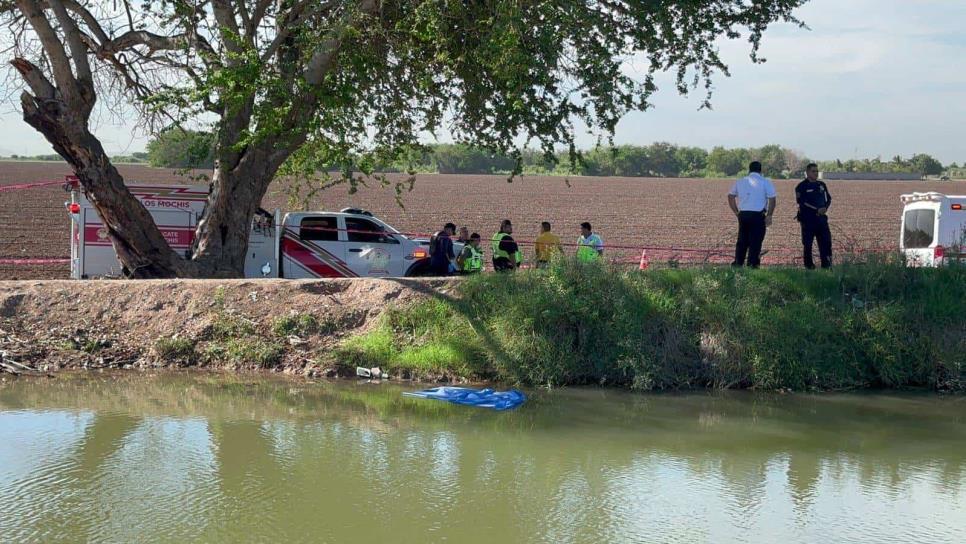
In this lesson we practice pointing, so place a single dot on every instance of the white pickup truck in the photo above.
(348, 243)
(933, 229)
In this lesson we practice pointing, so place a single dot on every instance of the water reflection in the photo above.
(213, 459)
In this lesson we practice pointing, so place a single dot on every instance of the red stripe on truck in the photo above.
(314, 259)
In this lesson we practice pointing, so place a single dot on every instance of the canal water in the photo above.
(203, 458)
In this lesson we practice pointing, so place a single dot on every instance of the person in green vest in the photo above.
(470, 259)
(506, 252)
(590, 247)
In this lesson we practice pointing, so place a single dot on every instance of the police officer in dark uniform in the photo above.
(813, 202)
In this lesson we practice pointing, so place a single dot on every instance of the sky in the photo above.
(870, 78)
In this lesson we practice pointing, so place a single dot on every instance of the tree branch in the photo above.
(78, 50)
(60, 63)
(42, 88)
(89, 20)
(324, 58)
(246, 20)
(286, 25)
(153, 41)
(225, 16)
(261, 8)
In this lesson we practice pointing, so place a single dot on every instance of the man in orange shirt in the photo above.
(546, 245)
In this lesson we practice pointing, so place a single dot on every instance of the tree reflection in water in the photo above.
(221, 458)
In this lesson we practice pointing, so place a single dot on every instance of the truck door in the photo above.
(312, 249)
(371, 250)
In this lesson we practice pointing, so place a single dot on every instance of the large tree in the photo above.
(351, 83)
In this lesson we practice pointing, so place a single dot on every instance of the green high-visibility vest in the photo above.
(499, 253)
(475, 262)
(586, 252)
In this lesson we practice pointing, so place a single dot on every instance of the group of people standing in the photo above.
(753, 200)
(506, 253)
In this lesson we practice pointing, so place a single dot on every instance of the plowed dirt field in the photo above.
(681, 219)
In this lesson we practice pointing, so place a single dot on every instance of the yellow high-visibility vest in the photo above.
(586, 252)
(475, 262)
(499, 253)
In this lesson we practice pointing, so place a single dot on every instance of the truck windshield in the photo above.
(919, 229)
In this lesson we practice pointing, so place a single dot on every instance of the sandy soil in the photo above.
(50, 325)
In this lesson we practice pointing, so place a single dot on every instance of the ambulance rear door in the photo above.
(261, 259)
(920, 226)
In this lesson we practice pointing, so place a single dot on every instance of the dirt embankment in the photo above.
(282, 325)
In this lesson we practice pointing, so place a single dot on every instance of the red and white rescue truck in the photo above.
(349, 243)
(933, 229)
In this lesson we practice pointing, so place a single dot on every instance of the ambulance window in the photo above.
(920, 227)
(367, 232)
(319, 228)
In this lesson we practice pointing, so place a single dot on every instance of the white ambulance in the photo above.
(933, 229)
(349, 243)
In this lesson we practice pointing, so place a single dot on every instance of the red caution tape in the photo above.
(19, 186)
(33, 261)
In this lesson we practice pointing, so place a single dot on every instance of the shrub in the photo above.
(227, 325)
(246, 351)
(175, 350)
(301, 325)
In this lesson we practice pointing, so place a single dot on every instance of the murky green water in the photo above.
(215, 459)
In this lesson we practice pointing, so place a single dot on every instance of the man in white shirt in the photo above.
(752, 199)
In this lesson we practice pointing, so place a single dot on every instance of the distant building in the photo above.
(870, 176)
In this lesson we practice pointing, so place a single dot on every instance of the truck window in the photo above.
(920, 228)
(367, 232)
(325, 229)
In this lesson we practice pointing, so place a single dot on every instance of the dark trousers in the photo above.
(502, 264)
(816, 227)
(751, 233)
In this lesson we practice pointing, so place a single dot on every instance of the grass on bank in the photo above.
(237, 340)
(301, 325)
(861, 325)
(176, 350)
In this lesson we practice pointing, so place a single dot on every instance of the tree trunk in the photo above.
(221, 240)
(139, 244)
(236, 194)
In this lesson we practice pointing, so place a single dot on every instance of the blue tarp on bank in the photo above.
(481, 398)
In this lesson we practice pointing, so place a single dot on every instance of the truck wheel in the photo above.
(420, 269)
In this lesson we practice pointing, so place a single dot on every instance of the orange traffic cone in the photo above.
(645, 263)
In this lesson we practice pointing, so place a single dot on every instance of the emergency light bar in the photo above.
(919, 197)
